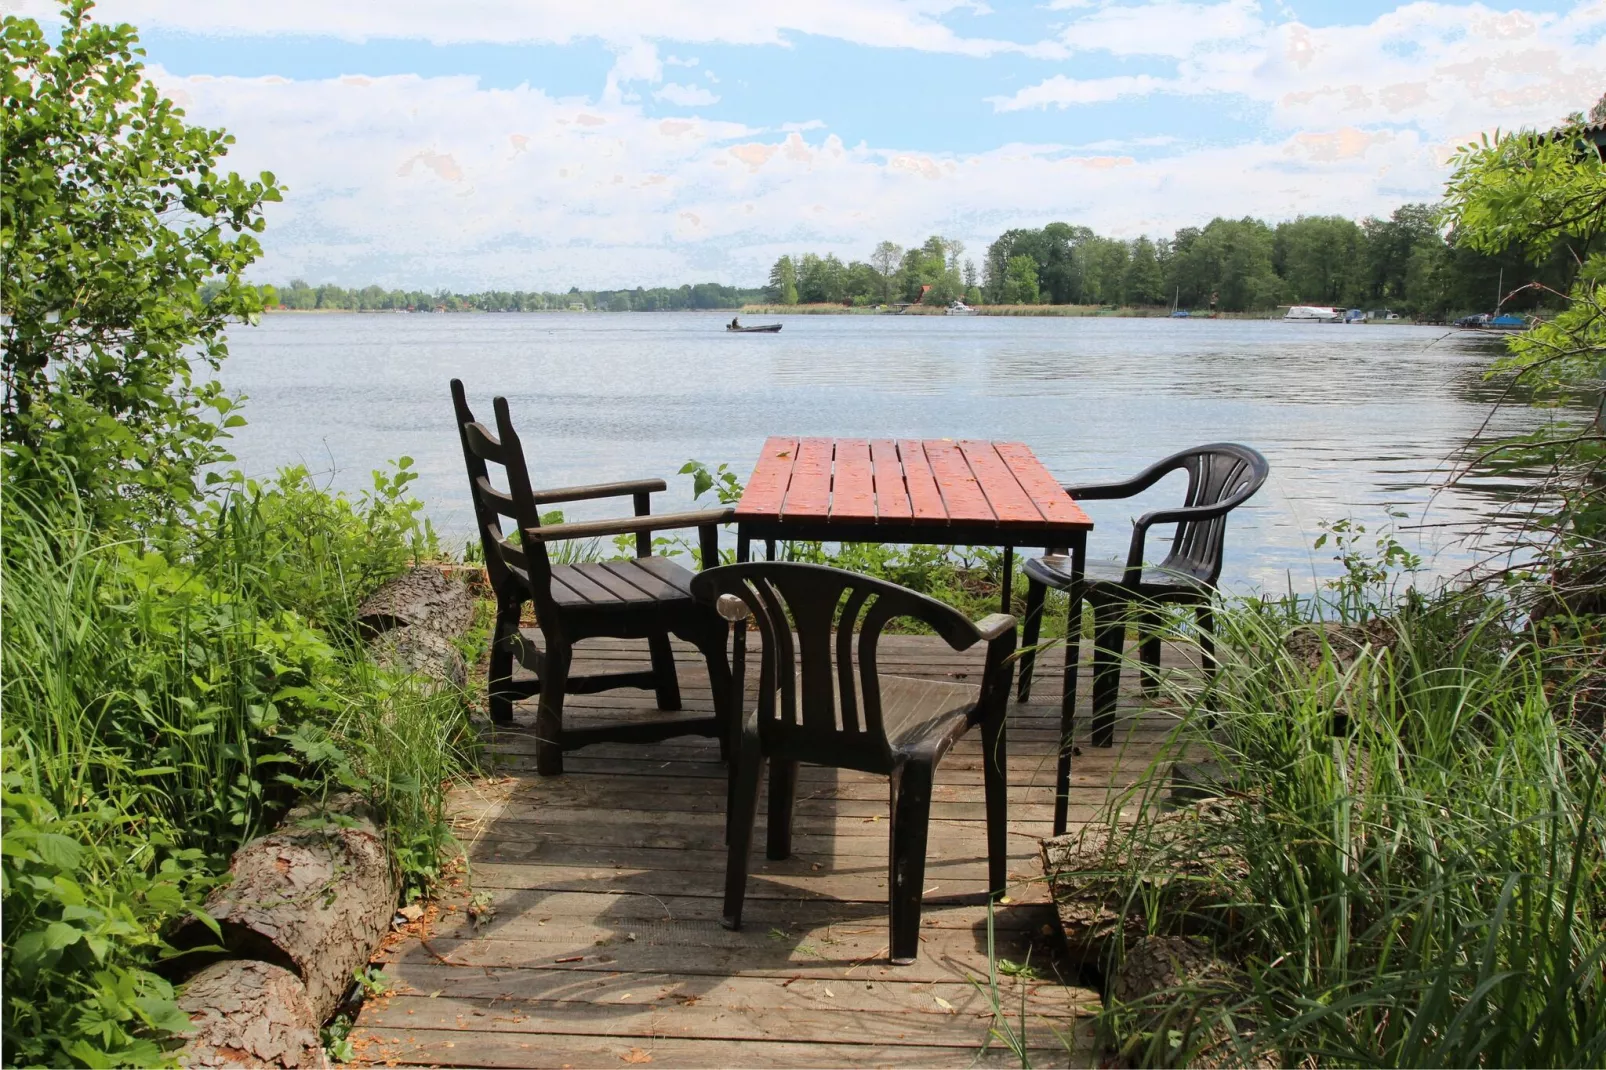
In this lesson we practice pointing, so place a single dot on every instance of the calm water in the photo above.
(1353, 419)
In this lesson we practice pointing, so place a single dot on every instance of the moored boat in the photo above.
(1312, 314)
(959, 308)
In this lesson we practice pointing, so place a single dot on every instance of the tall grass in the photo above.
(1416, 838)
(164, 701)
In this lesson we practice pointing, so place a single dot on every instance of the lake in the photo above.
(1354, 419)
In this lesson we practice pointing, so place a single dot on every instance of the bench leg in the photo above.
(500, 696)
(665, 682)
(549, 714)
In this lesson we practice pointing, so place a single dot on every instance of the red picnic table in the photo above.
(933, 491)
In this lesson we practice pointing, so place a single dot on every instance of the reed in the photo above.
(1422, 839)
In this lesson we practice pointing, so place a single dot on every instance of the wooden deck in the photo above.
(605, 948)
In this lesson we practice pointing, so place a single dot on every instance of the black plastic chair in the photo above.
(812, 708)
(644, 598)
(1221, 477)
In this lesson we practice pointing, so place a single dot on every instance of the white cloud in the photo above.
(1447, 70)
(686, 96)
(1063, 92)
(437, 181)
(883, 23)
(1167, 28)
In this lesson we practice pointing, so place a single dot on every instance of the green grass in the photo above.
(165, 701)
(1421, 835)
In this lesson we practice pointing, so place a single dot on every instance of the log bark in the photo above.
(425, 599)
(250, 1013)
(315, 900)
(417, 650)
(1180, 862)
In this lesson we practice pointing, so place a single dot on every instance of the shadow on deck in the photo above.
(606, 948)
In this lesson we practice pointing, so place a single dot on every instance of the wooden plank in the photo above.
(627, 911)
(574, 578)
(961, 494)
(766, 487)
(475, 1048)
(606, 946)
(891, 496)
(1046, 492)
(1010, 503)
(925, 500)
(672, 574)
(853, 496)
(809, 495)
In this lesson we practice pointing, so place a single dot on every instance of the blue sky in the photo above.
(518, 144)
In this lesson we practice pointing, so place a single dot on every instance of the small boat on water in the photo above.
(1312, 314)
(959, 308)
(763, 328)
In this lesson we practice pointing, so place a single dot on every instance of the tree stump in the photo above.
(315, 900)
(250, 1013)
(1194, 1025)
(424, 599)
(1185, 868)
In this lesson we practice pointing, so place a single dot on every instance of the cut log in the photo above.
(315, 900)
(1195, 1027)
(1179, 863)
(419, 651)
(248, 1013)
(424, 599)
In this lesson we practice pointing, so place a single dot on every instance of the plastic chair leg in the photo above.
(783, 789)
(1109, 641)
(995, 759)
(1036, 593)
(739, 821)
(911, 817)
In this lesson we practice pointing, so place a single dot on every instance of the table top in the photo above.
(907, 483)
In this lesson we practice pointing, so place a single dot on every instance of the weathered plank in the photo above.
(766, 487)
(605, 946)
(852, 482)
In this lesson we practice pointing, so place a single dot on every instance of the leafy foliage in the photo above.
(115, 215)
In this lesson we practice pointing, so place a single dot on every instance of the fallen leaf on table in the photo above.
(636, 1055)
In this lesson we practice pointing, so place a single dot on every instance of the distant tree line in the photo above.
(300, 296)
(1403, 262)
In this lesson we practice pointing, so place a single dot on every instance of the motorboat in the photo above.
(959, 308)
(763, 328)
(1312, 314)
(1488, 321)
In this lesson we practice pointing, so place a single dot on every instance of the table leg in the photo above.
(1009, 577)
(1073, 649)
(769, 549)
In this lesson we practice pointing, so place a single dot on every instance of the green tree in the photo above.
(1145, 279)
(783, 282)
(1322, 260)
(1227, 263)
(115, 216)
(1020, 281)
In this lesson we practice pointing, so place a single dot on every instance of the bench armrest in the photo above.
(631, 525)
(623, 489)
